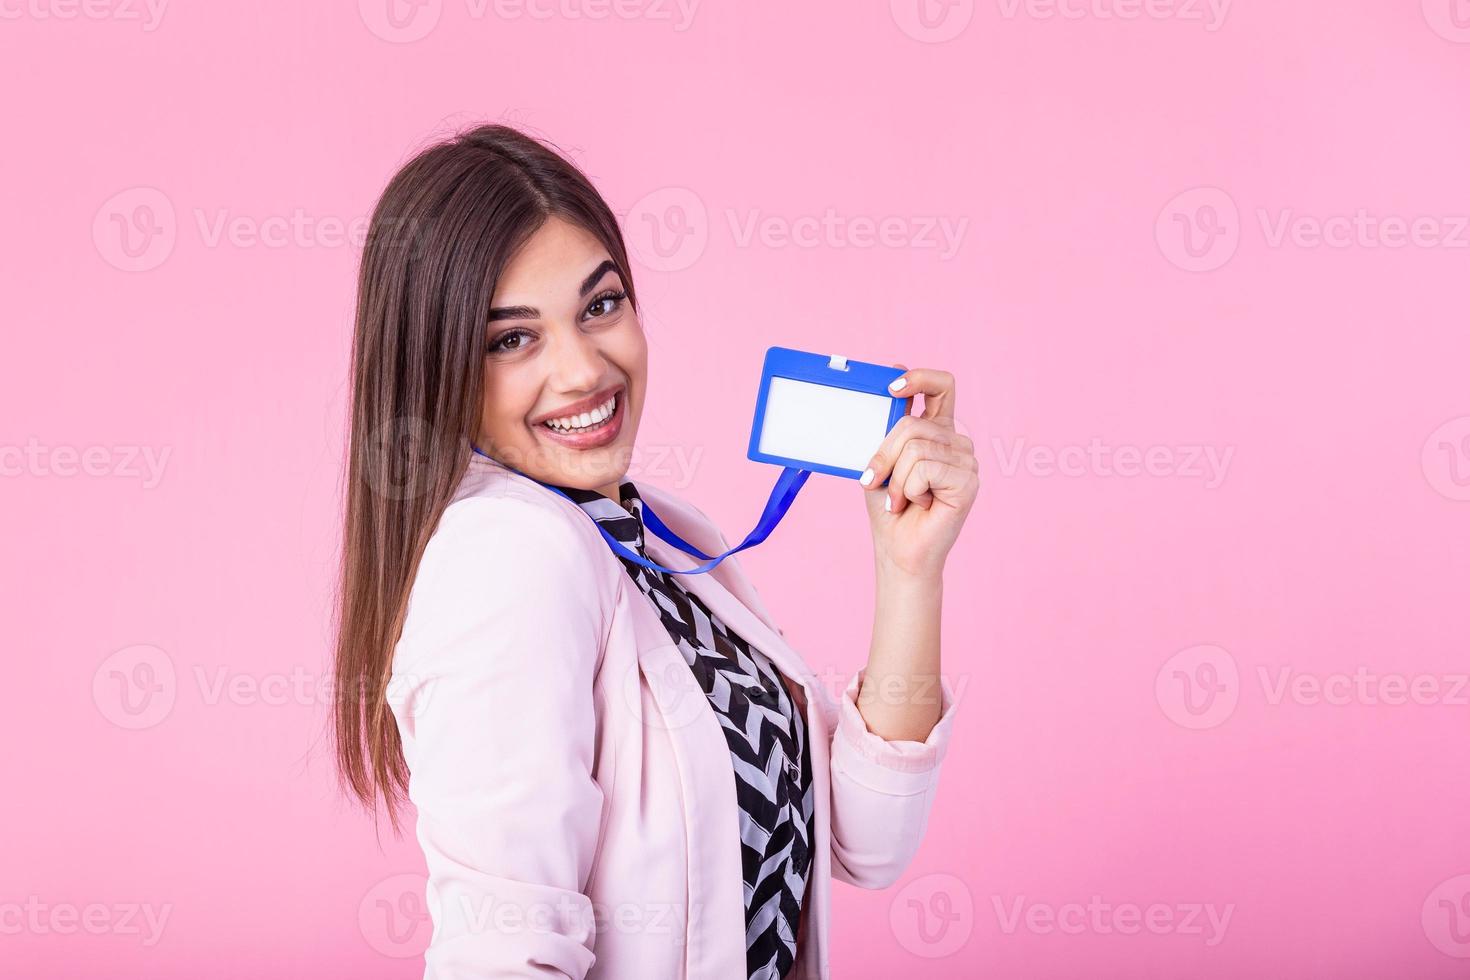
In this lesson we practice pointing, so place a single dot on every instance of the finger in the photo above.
(939, 480)
(906, 428)
(937, 387)
(901, 490)
(911, 460)
(913, 450)
(891, 448)
(908, 403)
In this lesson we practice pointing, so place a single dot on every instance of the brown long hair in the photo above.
(439, 239)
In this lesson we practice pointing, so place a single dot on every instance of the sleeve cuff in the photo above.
(900, 767)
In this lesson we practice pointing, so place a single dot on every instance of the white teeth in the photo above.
(597, 416)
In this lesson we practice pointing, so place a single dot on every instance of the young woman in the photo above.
(617, 772)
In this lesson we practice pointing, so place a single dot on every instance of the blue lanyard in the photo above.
(783, 494)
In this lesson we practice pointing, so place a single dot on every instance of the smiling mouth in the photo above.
(587, 421)
(591, 429)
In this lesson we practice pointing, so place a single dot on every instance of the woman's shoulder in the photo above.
(491, 497)
(504, 551)
(501, 528)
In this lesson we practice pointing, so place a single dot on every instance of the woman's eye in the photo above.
(606, 304)
(503, 342)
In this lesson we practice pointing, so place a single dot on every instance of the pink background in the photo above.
(1118, 179)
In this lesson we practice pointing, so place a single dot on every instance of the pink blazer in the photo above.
(575, 801)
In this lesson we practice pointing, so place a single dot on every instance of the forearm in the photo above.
(900, 697)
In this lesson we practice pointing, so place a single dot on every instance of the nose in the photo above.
(577, 364)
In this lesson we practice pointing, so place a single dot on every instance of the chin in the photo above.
(593, 468)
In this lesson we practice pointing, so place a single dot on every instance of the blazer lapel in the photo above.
(820, 710)
(714, 588)
(716, 910)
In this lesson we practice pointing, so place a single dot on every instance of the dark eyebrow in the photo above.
(531, 313)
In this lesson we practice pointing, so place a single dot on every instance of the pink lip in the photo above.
(578, 407)
(593, 438)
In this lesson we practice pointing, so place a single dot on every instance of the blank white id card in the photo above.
(822, 412)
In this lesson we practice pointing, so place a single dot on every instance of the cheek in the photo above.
(508, 400)
(631, 350)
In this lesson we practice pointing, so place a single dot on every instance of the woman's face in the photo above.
(563, 346)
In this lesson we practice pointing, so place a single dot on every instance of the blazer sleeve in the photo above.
(493, 693)
(882, 791)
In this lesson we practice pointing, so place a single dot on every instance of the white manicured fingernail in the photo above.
(888, 503)
(897, 384)
(867, 476)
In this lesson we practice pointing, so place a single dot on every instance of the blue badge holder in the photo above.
(781, 364)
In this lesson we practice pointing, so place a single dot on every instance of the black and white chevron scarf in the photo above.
(766, 734)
